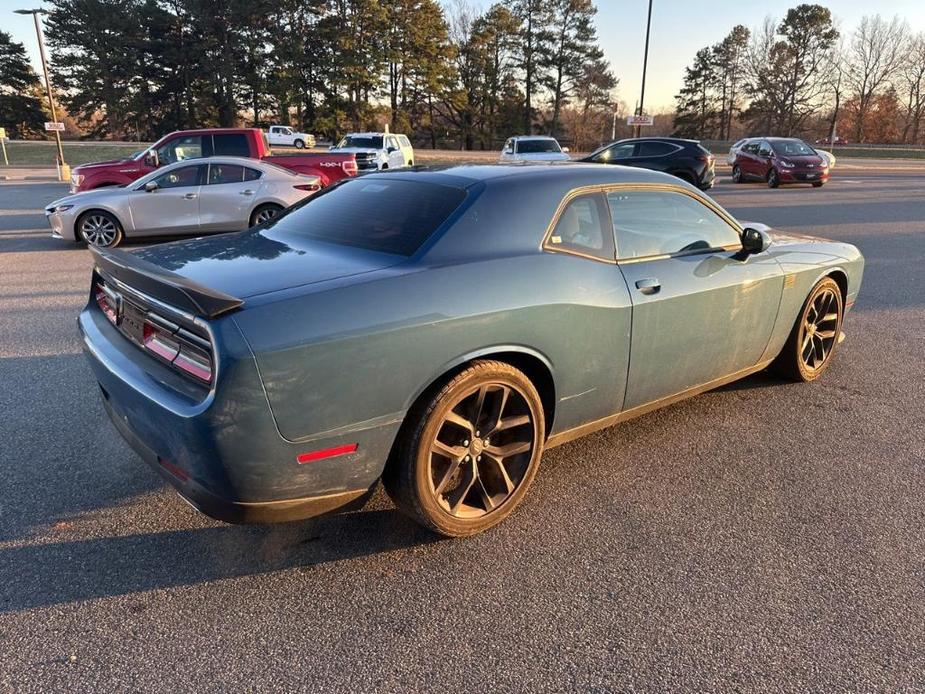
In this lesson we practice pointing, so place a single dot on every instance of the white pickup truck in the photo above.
(377, 150)
(284, 136)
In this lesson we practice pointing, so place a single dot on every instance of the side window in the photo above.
(225, 173)
(764, 149)
(231, 145)
(582, 228)
(185, 176)
(392, 143)
(654, 149)
(252, 174)
(405, 142)
(179, 149)
(624, 151)
(651, 222)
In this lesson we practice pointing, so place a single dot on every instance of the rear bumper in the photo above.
(225, 457)
(223, 509)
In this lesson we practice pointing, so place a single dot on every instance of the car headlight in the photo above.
(787, 164)
(60, 208)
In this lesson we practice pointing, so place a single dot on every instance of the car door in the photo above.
(702, 310)
(748, 160)
(226, 200)
(763, 159)
(173, 206)
(396, 158)
(273, 137)
(507, 152)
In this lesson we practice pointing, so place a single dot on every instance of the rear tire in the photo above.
(468, 452)
(299, 144)
(773, 179)
(264, 214)
(814, 338)
(736, 174)
(99, 228)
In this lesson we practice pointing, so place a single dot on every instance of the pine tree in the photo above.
(20, 110)
(697, 112)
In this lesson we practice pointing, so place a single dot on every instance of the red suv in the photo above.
(779, 160)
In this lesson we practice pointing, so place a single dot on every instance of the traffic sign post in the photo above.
(6, 162)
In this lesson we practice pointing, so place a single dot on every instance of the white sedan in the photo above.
(198, 196)
(533, 148)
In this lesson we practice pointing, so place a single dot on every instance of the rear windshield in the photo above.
(792, 147)
(537, 146)
(377, 214)
(367, 142)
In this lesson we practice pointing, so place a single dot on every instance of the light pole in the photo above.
(63, 173)
(645, 64)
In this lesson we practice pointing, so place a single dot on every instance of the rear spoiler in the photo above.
(164, 285)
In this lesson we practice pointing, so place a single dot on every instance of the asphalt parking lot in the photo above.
(764, 536)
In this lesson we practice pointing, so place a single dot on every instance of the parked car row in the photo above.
(170, 173)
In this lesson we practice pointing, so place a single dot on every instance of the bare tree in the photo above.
(876, 53)
(912, 78)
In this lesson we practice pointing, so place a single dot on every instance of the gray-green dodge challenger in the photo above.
(438, 330)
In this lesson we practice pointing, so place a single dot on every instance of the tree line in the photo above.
(446, 75)
(802, 76)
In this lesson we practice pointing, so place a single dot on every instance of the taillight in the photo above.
(185, 351)
(308, 186)
(350, 167)
(107, 302)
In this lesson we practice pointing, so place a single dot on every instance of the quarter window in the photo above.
(653, 222)
(581, 228)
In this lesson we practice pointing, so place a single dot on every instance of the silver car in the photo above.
(188, 197)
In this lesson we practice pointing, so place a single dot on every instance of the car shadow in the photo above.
(46, 574)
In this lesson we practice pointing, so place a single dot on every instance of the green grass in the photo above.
(43, 153)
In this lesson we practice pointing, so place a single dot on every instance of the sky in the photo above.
(679, 29)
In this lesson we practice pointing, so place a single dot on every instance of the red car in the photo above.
(779, 160)
(193, 144)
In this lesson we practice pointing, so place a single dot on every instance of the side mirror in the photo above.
(566, 150)
(392, 149)
(755, 241)
(151, 159)
(151, 186)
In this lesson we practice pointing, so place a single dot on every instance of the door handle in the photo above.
(191, 196)
(650, 285)
(246, 192)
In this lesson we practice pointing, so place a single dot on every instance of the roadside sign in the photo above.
(2, 133)
(640, 120)
(54, 126)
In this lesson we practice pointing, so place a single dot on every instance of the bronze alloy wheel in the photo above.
(469, 451)
(814, 338)
(481, 451)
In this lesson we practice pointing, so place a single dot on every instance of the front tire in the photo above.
(468, 452)
(100, 229)
(773, 179)
(818, 184)
(299, 144)
(736, 174)
(814, 338)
